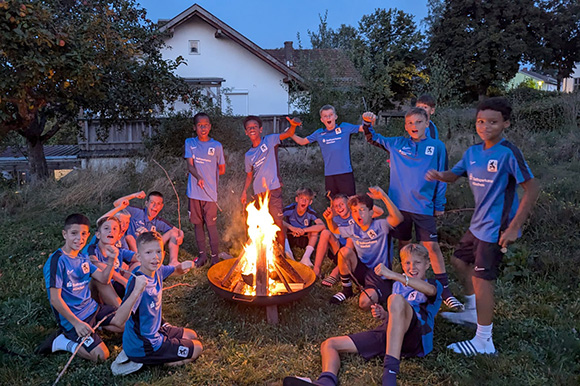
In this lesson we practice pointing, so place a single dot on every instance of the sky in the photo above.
(269, 23)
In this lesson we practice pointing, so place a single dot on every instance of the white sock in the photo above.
(483, 341)
(470, 301)
(62, 343)
(308, 253)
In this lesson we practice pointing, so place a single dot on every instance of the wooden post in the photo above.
(272, 314)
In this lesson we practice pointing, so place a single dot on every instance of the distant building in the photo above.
(540, 81)
(572, 84)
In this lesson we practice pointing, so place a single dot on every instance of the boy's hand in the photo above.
(378, 311)
(83, 329)
(140, 283)
(177, 235)
(369, 117)
(381, 270)
(140, 195)
(124, 204)
(376, 193)
(328, 215)
(507, 237)
(439, 213)
(186, 266)
(295, 122)
(111, 252)
(201, 183)
(433, 175)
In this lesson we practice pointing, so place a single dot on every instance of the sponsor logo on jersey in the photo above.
(264, 148)
(429, 150)
(182, 351)
(86, 268)
(492, 165)
(372, 234)
(211, 151)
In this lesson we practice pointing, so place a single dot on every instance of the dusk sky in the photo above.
(269, 23)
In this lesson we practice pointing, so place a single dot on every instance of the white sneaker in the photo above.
(123, 366)
(307, 262)
(466, 317)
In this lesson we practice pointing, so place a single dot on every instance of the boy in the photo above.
(108, 233)
(302, 224)
(419, 201)
(334, 142)
(261, 163)
(67, 274)
(427, 103)
(372, 243)
(205, 163)
(407, 329)
(493, 167)
(145, 339)
(146, 220)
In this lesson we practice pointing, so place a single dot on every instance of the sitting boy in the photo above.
(302, 224)
(67, 274)
(407, 329)
(108, 233)
(146, 340)
(373, 246)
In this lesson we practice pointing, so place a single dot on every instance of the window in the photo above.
(576, 84)
(194, 47)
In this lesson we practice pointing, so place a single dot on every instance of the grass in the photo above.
(538, 310)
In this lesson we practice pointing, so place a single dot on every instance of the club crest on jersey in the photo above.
(152, 304)
(429, 150)
(338, 130)
(492, 165)
(116, 264)
(85, 267)
(89, 341)
(264, 148)
(372, 234)
(412, 296)
(211, 151)
(305, 222)
(350, 221)
(182, 351)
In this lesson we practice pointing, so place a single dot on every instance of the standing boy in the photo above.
(419, 200)
(494, 168)
(261, 163)
(407, 330)
(427, 103)
(205, 163)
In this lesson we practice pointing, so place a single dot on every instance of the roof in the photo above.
(50, 152)
(224, 30)
(544, 78)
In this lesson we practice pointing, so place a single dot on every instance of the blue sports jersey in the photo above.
(140, 222)
(343, 222)
(141, 335)
(292, 217)
(431, 131)
(263, 161)
(374, 245)
(493, 175)
(410, 161)
(71, 275)
(335, 147)
(125, 255)
(206, 158)
(425, 308)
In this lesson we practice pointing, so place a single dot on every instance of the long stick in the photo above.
(174, 190)
(360, 287)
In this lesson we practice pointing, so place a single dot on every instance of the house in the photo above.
(572, 84)
(540, 82)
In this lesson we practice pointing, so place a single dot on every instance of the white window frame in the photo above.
(192, 44)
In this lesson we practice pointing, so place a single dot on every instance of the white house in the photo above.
(231, 69)
(572, 83)
(541, 82)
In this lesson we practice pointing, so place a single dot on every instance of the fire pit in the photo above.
(261, 275)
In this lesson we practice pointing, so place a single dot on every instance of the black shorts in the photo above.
(340, 183)
(94, 340)
(300, 241)
(202, 212)
(372, 343)
(369, 279)
(425, 227)
(173, 349)
(119, 289)
(486, 257)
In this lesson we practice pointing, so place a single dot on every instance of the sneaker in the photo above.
(453, 304)
(45, 347)
(307, 262)
(339, 297)
(200, 261)
(467, 317)
(214, 259)
(123, 366)
(297, 381)
(225, 256)
(467, 348)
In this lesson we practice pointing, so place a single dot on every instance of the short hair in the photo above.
(427, 99)
(105, 219)
(147, 237)
(123, 212)
(414, 250)
(417, 111)
(499, 104)
(252, 118)
(340, 195)
(197, 117)
(154, 193)
(327, 107)
(361, 199)
(76, 219)
(305, 192)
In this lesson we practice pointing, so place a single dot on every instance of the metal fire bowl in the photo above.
(217, 272)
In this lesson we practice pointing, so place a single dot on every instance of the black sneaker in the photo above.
(214, 259)
(45, 347)
(340, 297)
(200, 261)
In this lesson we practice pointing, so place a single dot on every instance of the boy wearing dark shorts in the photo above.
(407, 330)
(147, 339)
(372, 242)
(494, 168)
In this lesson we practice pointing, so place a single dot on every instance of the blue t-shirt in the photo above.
(206, 158)
(292, 217)
(343, 222)
(71, 275)
(125, 255)
(335, 147)
(142, 328)
(263, 161)
(431, 131)
(140, 222)
(374, 245)
(410, 161)
(425, 308)
(493, 175)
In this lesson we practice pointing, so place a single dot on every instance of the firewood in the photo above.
(287, 268)
(226, 282)
(282, 278)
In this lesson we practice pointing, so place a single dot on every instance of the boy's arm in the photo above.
(531, 193)
(140, 195)
(317, 227)
(369, 120)
(131, 242)
(193, 171)
(116, 275)
(182, 268)
(394, 217)
(441, 187)
(115, 210)
(328, 216)
(82, 329)
(291, 130)
(104, 276)
(377, 211)
(446, 176)
(222, 169)
(418, 284)
(299, 140)
(124, 310)
(249, 177)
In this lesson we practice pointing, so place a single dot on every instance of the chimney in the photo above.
(288, 53)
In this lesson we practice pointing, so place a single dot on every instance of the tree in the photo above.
(60, 57)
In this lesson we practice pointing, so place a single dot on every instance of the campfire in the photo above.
(261, 274)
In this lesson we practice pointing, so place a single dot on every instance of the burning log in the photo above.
(282, 278)
(232, 275)
(262, 272)
(287, 269)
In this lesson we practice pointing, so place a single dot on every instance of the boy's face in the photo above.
(109, 233)
(150, 255)
(428, 109)
(75, 237)
(361, 214)
(253, 130)
(124, 219)
(202, 128)
(414, 266)
(154, 205)
(416, 126)
(490, 125)
(328, 117)
(340, 207)
(303, 201)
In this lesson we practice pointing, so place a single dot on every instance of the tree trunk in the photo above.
(36, 160)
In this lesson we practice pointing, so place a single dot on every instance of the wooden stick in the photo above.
(174, 190)
(262, 272)
(225, 281)
(282, 278)
(286, 267)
